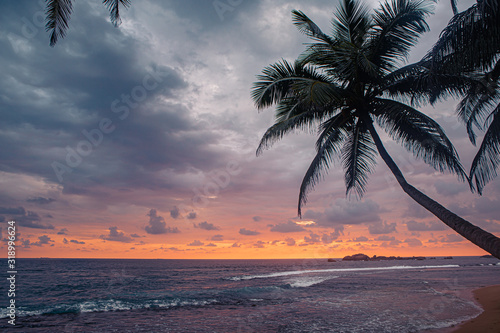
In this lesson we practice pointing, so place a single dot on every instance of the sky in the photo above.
(139, 142)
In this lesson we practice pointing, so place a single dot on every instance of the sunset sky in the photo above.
(139, 142)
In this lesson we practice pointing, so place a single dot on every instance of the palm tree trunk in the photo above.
(488, 242)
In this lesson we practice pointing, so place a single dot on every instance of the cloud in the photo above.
(344, 212)
(76, 242)
(329, 238)
(360, 239)
(27, 219)
(236, 245)
(449, 189)
(312, 238)
(257, 218)
(413, 242)
(422, 226)
(116, 236)
(414, 210)
(385, 238)
(12, 210)
(451, 238)
(290, 241)
(135, 235)
(217, 238)
(246, 232)
(196, 243)
(259, 244)
(191, 215)
(174, 213)
(206, 226)
(65, 241)
(158, 226)
(381, 228)
(42, 240)
(211, 245)
(40, 200)
(289, 226)
(63, 231)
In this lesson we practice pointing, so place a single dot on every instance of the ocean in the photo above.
(299, 295)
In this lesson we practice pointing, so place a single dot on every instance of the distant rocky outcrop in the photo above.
(357, 257)
(364, 257)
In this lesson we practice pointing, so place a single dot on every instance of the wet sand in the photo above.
(489, 320)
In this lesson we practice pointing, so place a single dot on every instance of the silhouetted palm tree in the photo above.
(465, 62)
(341, 84)
(59, 12)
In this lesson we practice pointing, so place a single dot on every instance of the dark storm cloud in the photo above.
(211, 14)
(12, 210)
(27, 219)
(40, 200)
(90, 81)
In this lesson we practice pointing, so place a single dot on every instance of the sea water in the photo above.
(300, 295)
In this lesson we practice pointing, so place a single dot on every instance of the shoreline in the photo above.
(489, 320)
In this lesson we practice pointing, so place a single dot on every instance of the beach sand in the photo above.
(489, 320)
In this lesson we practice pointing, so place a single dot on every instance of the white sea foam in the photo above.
(360, 269)
(302, 282)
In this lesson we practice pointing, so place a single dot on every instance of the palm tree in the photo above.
(465, 63)
(340, 84)
(59, 12)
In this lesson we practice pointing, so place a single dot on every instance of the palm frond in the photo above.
(114, 9)
(358, 159)
(475, 108)
(454, 7)
(397, 26)
(58, 13)
(471, 38)
(291, 115)
(284, 79)
(328, 147)
(309, 28)
(423, 83)
(351, 22)
(419, 134)
(485, 164)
